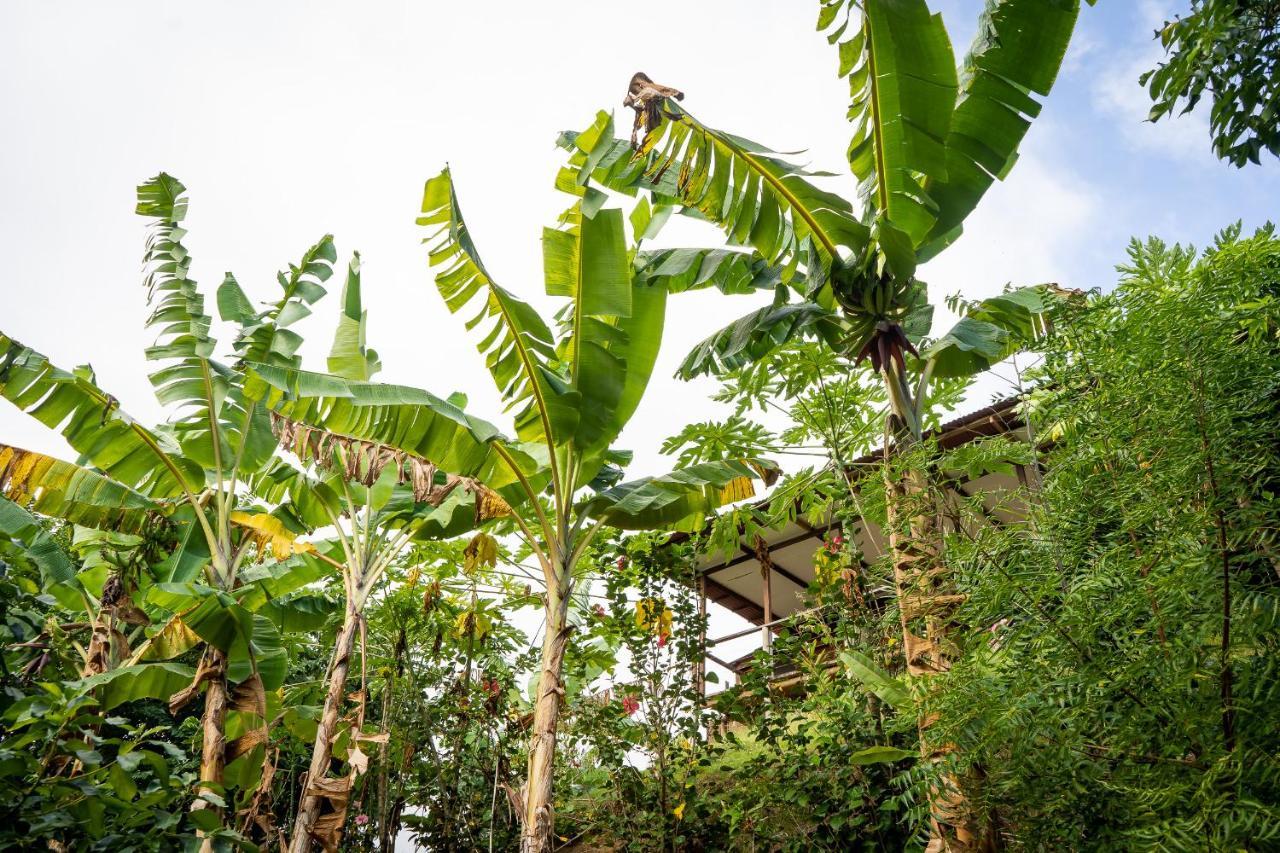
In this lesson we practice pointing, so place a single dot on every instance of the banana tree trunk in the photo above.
(322, 751)
(539, 814)
(926, 601)
(213, 749)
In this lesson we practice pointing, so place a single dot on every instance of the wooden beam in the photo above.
(819, 533)
(748, 555)
(734, 602)
(775, 567)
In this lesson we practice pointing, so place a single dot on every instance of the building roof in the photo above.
(736, 581)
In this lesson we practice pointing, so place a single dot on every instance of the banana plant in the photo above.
(375, 504)
(192, 470)
(570, 391)
(928, 141)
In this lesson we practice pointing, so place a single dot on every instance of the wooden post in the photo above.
(766, 566)
(700, 665)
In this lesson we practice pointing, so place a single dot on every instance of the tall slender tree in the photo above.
(928, 142)
(375, 504)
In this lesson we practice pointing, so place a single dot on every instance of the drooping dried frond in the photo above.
(364, 461)
(646, 97)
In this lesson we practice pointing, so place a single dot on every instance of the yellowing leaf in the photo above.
(482, 550)
(270, 532)
(472, 624)
(169, 642)
(737, 489)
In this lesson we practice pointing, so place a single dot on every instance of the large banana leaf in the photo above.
(299, 613)
(587, 262)
(902, 85)
(214, 426)
(991, 331)
(758, 333)
(730, 271)
(518, 346)
(188, 378)
(269, 581)
(615, 320)
(1018, 50)
(190, 555)
(681, 499)
(399, 418)
(461, 511)
(758, 198)
(251, 640)
(93, 424)
(65, 491)
(138, 681)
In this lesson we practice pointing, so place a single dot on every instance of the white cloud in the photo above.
(1027, 230)
(1124, 101)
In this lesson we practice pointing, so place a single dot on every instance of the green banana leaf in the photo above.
(681, 499)
(890, 690)
(93, 424)
(1016, 54)
(991, 331)
(69, 492)
(518, 346)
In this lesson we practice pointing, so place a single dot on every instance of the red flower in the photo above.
(662, 640)
(630, 705)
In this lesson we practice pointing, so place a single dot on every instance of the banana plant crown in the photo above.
(928, 140)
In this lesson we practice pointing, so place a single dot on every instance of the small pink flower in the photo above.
(599, 608)
(630, 705)
(362, 819)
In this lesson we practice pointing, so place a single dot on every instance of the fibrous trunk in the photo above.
(213, 749)
(926, 602)
(322, 751)
(538, 814)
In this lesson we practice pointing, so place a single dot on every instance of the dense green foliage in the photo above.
(1228, 50)
(1119, 690)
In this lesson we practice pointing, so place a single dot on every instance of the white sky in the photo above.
(287, 120)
